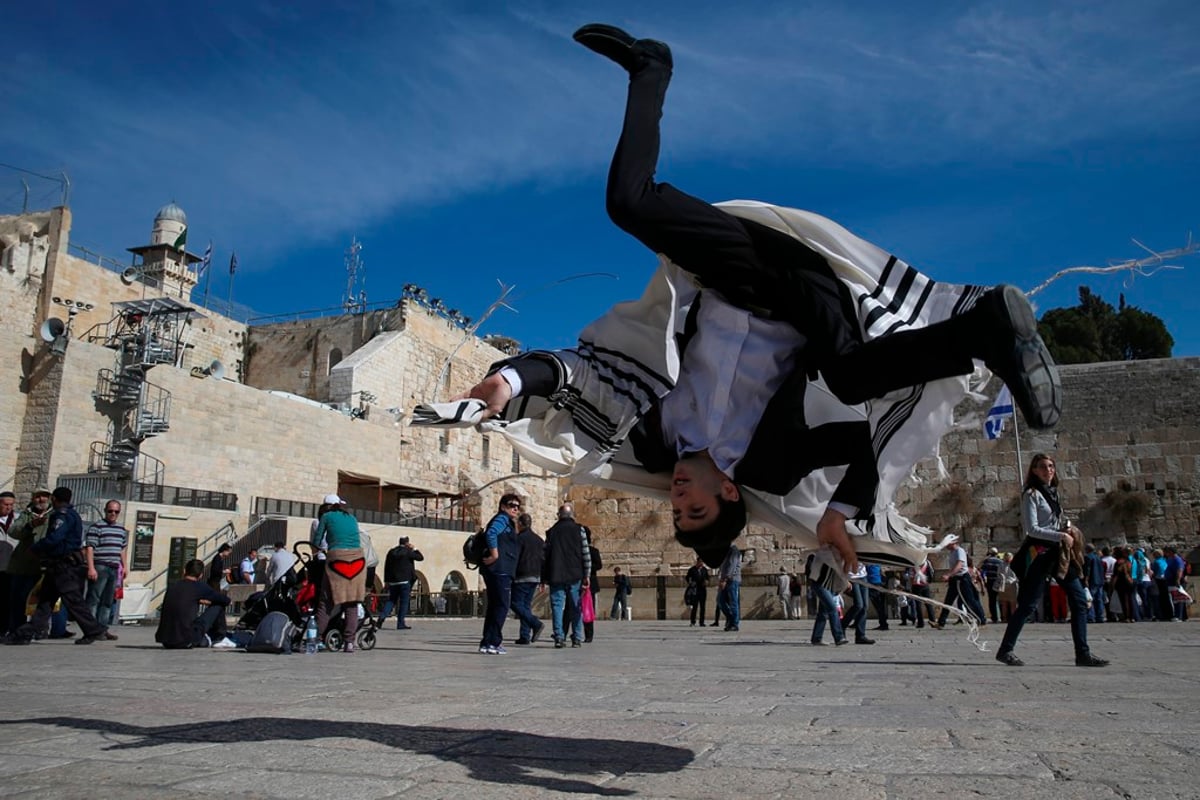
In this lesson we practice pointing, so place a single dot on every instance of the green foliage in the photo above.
(1095, 331)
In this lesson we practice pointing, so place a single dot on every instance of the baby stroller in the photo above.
(295, 595)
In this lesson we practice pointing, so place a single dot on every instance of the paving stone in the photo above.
(657, 712)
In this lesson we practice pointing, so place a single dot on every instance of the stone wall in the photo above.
(1129, 440)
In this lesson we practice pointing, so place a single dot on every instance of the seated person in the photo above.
(193, 613)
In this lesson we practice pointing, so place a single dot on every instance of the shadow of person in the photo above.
(493, 755)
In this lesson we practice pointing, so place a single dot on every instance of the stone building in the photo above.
(213, 430)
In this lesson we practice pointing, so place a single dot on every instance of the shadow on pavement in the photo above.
(494, 755)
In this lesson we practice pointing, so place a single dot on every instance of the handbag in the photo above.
(589, 610)
(689, 596)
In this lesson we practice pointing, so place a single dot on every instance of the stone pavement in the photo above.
(651, 709)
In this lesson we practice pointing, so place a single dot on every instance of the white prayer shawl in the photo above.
(629, 356)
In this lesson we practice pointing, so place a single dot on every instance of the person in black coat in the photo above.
(697, 585)
(398, 573)
(566, 570)
(527, 580)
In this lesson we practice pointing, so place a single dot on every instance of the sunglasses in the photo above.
(512, 505)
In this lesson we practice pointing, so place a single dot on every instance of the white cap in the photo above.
(333, 499)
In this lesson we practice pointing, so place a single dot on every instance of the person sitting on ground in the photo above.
(179, 627)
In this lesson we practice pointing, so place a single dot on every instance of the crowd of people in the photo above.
(519, 563)
(48, 558)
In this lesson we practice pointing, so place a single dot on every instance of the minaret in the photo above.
(165, 263)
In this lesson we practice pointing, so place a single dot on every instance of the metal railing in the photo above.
(205, 549)
(296, 508)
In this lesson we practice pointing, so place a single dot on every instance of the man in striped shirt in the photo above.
(104, 548)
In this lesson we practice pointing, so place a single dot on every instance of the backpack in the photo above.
(475, 549)
(273, 635)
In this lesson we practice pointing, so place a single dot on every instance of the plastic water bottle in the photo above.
(311, 637)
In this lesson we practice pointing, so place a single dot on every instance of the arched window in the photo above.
(335, 355)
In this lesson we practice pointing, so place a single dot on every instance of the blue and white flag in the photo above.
(1001, 410)
(205, 261)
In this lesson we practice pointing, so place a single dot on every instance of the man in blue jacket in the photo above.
(497, 570)
(65, 574)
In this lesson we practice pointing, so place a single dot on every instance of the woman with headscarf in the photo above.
(1052, 547)
(345, 580)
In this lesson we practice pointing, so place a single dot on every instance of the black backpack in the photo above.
(475, 548)
(273, 635)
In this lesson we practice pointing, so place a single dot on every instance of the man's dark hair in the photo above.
(508, 497)
(62, 494)
(281, 545)
(7, 495)
(524, 521)
(712, 541)
(194, 568)
(225, 548)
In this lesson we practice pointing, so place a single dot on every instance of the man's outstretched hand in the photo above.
(492, 390)
(831, 530)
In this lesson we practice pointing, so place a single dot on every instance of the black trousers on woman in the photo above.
(1033, 586)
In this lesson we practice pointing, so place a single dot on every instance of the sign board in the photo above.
(183, 550)
(143, 541)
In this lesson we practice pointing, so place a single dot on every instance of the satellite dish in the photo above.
(215, 370)
(130, 275)
(51, 329)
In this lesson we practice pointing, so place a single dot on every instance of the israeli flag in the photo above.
(993, 426)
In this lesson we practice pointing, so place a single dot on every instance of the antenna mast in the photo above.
(355, 299)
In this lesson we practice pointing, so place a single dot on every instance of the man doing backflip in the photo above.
(759, 301)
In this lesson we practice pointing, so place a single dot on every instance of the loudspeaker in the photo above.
(130, 275)
(214, 370)
(51, 329)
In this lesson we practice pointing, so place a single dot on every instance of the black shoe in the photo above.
(19, 640)
(536, 633)
(701, 624)
(404, 627)
(881, 628)
(576, 643)
(1021, 359)
(558, 643)
(588, 640)
(67, 635)
(731, 627)
(864, 640)
(818, 644)
(1009, 659)
(841, 642)
(617, 45)
(920, 626)
(89, 639)
(521, 641)
(1091, 661)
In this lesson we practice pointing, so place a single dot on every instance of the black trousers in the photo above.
(65, 578)
(756, 267)
(701, 605)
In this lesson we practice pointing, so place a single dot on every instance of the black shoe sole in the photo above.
(1029, 370)
(618, 46)
(610, 42)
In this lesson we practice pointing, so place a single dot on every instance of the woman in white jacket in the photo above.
(1047, 532)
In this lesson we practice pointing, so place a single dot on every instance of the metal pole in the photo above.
(1017, 439)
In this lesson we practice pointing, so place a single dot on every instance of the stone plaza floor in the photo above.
(649, 710)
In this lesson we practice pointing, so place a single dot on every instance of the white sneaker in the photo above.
(225, 644)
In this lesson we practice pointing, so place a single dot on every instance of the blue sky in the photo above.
(467, 142)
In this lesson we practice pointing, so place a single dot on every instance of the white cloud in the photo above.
(305, 139)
